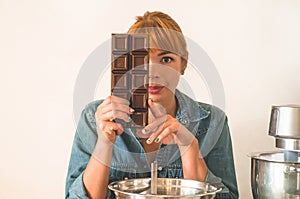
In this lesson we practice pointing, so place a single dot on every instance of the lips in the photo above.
(154, 89)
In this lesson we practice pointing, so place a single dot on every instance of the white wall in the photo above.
(253, 44)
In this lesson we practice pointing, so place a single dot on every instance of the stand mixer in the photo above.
(276, 174)
(285, 127)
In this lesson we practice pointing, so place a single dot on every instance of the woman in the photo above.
(188, 139)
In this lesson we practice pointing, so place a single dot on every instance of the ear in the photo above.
(184, 63)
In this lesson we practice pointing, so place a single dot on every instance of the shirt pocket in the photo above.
(121, 171)
(200, 135)
(175, 171)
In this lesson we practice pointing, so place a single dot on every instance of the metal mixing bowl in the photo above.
(166, 188)
(273, 177)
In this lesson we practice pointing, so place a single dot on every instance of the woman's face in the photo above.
(164, 71)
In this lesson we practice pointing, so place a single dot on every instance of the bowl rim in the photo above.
(256, 156)
(217, 189)
(296, 106)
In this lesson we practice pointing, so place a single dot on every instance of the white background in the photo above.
(253, 44)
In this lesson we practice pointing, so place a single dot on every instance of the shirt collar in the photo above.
(189, 110)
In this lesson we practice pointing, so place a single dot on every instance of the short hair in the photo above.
(165, 33)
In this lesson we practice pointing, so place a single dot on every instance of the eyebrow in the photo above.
(164, 53)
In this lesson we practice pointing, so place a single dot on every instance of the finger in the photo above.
(184, 136)
(156, 109)
(116, 107)
(157, 132)
(154, 125)
(167, 132)
(110, 116)
(120, 129)
(112, 99)
(103, 108)
(121, 115)
(122, 107)
(110, 130)
(174, 133)
(106, 101)
(119, 100)
(110, 111)
(109, 105)
(113, 128)
(142, 135)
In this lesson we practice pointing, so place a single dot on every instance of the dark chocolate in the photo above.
(130, 74)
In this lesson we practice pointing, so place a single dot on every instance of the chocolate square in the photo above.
(139, 119)
(120, 81)
(140, 62)
(120, 42)
(140, 42)
(140, 100)
(120, 62)
(139, 81)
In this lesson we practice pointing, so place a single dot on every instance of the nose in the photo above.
(154, 68)
(153, 71)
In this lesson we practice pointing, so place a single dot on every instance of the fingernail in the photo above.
(148, 141)
(129, 118)
(127, 102)
(132, 110)
(156, 140)
(144, 131)
(111, 128)
(109, 132)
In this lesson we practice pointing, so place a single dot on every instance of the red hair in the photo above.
(165, 33)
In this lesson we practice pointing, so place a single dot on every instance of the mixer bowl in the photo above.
(167, 188)
(272, 177)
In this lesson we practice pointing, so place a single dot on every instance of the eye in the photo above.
(166, 59)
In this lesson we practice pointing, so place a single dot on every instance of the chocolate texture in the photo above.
(130, 74)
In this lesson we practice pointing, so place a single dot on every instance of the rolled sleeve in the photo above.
(221, 165)
(77, 189)
(74, 182)
(83, 144)
(211, 178)
(217, 182)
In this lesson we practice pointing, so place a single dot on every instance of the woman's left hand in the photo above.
(165, 129)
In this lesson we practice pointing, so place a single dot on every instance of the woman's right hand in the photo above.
(112, 108)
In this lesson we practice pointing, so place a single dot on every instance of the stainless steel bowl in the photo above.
(272, 177)
(166, 188)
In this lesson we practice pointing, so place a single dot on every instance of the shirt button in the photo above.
(159, 168)
(184, 121)
(145, 166)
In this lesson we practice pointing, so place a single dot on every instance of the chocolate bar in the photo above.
(129, 74)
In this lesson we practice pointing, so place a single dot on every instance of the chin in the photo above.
(154, 98)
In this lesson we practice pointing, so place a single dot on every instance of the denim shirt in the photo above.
(208, 124)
